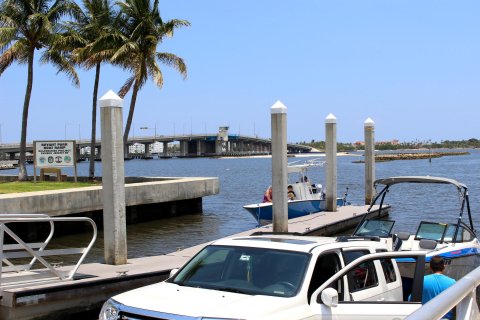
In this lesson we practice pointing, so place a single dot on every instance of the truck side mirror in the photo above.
(330, 297)
(173, 272)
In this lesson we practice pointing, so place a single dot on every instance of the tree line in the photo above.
(444, 144)
(125, 34)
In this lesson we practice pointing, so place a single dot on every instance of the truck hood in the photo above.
(196, 302)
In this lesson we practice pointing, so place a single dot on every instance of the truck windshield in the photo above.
(380, 228)
(255, 271)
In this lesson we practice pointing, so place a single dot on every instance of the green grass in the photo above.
(14, 187)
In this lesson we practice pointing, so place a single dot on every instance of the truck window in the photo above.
(388, 270)
(364, 276)
(325, 267)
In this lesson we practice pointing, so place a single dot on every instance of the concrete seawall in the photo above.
(138, 191)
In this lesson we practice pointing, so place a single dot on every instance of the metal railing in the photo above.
(461, 295)
(14, 274)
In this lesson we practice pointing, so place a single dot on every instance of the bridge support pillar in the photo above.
(165, 149)
(218, 147)
(183, 148)
(147, 149)
(240, 146)
(200, 147)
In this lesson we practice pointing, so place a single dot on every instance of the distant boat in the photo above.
(309, 198)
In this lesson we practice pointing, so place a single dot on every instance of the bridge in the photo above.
(192, 145)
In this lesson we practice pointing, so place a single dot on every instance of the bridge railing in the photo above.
(461, 295)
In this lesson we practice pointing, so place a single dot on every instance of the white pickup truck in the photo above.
(280, 277)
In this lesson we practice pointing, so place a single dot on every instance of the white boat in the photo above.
(309, 198)
(456, 241)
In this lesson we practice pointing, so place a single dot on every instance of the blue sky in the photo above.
(412, 66)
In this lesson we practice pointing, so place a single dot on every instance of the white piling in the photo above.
(279, 167)
(369, 133)
(113, 180)
(331, 159)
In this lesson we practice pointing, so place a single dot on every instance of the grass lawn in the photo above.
(27, 186)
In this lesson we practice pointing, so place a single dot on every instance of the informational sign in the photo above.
(54, 153)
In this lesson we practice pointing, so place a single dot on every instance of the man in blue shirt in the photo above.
(436, 282)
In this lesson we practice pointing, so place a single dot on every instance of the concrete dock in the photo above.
(96, 282)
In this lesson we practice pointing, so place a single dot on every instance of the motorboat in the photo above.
(309, 198)
(456, 241)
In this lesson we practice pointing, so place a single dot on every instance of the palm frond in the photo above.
(173, 61)
(156, 73)
(170, 26)
(126, 87)
(7, 36)
(62, 63)
(9, 56)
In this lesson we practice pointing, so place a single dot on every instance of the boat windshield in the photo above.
(380, 228)
(442, 232)
(431, 231)
(254, 271)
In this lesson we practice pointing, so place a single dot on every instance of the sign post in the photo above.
(56, 153)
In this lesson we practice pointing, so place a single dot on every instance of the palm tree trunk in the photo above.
(130, 117)
(91, 171)
(22, 171)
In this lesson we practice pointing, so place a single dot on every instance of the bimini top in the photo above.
(419, 179)
(292, 168)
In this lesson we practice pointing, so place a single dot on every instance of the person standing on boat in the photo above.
(267, 197)
(435, 283)
(305, 180)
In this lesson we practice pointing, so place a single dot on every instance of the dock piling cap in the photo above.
(110, 99)
(330, 118)
(278, 107)
(369, 122)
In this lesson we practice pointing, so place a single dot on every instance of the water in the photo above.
(243, 181)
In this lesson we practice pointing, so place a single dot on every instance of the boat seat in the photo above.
(403, 235)
(427, 244)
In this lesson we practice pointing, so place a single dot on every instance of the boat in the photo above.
(309, 198)
(456, 241)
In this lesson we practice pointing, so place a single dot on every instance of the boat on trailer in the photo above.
(455, 241)
(309, 198)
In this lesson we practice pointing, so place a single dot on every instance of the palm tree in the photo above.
(26, 26)
(89, 39)
(143, 30)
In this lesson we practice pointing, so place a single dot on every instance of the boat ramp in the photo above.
(34, 296)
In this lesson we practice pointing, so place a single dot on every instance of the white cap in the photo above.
(278, 107)
(110, 99)
(369, 123)
(330, 118)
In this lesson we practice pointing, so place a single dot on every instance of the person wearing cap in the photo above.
(435, 283)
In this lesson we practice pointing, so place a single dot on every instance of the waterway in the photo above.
(243, 181)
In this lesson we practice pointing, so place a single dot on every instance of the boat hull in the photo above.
(262, 212)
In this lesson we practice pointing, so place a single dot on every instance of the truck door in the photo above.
(365, 302)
